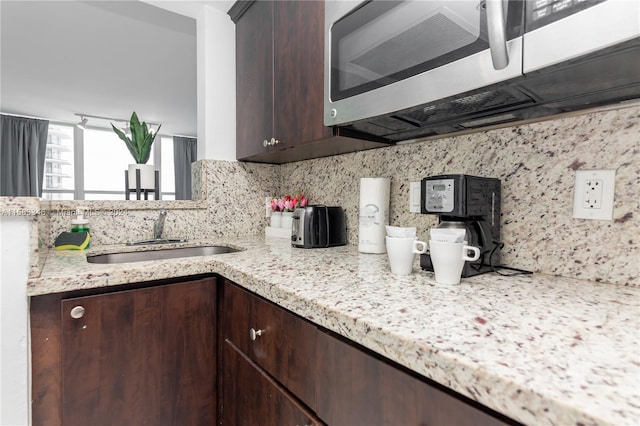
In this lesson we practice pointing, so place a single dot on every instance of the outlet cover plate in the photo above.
(593, 194)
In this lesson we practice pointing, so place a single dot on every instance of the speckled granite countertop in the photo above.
(540, 349)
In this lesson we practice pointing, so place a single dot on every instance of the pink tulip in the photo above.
(303, 201)
(274, 205)
(281, 204)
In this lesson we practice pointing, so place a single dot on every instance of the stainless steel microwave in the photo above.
(404, 69)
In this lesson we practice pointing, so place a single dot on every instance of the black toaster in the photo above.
(318, 226)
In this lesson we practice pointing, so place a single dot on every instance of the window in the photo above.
(58, 164)
(106, 158)
(167, 171)
(90, 164)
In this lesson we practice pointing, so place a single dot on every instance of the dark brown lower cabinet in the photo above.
(283, 344)
(357, 388)
(189, 352)
(139, 357)
(251, 397)
(270, 374)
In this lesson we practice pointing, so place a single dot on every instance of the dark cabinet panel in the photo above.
(284, 345)
(286, 348)
(251, 397)
(144, 356)
(279, 77)
(46, 358)
(355, 387)
(254, 79)
(298, 49)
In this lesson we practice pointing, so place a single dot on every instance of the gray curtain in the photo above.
(23, 145)
(185, 152)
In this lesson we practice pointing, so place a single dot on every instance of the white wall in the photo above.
(216, 85)
(14, 321)
(216, 70)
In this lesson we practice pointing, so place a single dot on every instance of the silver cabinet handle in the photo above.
(77, 312)
(254, 334)
(271, 142)
(497, 34)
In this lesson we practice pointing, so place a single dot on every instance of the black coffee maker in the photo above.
(469, 202)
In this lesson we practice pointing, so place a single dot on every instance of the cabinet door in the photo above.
(143, 357)
(284, 345)
(356, 388)
(254, 80)
(251, 397)
(298, 49)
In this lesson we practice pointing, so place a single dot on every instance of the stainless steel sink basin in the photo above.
(157, 241)
(141, 256)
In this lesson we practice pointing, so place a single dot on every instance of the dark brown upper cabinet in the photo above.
(280, 84)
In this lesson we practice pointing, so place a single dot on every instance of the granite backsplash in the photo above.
(229, 202)
(535, 162)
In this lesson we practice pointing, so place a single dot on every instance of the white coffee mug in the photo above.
(401, 253)
(448, 260)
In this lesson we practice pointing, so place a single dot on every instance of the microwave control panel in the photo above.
(544, 12)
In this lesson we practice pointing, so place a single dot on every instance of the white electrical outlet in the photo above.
(414, 197)
(267, 206)
(593, 195)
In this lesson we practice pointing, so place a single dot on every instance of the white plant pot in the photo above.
(147, 176)
(276, 219)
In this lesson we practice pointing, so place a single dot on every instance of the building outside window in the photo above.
(58, 164)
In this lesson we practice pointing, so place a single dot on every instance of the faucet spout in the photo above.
(158, 225)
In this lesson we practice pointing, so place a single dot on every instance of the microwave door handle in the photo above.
(497, 34)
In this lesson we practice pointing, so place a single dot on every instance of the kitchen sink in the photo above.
(157, 241)
(174, 253)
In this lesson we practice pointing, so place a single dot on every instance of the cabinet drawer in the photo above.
(283, 344)
(254, 398)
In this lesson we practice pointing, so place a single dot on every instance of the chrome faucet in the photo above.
(158, 225)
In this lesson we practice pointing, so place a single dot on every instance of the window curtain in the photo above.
(185, 152)
(23, 145)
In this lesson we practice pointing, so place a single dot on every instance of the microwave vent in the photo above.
(475, 103)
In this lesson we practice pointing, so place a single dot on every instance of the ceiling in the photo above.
(102, 58)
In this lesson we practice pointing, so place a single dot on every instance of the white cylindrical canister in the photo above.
(373, 214)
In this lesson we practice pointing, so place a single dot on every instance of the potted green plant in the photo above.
(139, 145)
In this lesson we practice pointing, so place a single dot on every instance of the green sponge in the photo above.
(72, 241)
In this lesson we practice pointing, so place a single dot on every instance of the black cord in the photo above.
(499, 246)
